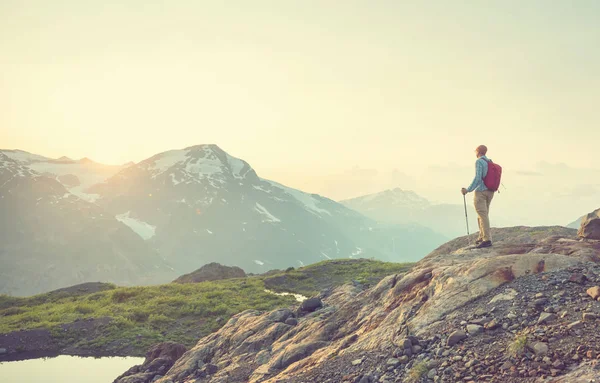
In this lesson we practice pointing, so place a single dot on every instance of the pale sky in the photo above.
(316, 94)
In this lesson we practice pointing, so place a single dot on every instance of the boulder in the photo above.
(540, 348)
(159, 359)
(311, 305)
(456, 337)
(474, 329)
(594, 292)
(211, 272)
(546, 318)
(590, 226)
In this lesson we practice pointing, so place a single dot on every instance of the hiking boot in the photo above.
(478, 241)
(484, 244)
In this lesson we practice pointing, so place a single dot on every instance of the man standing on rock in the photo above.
(483, 197)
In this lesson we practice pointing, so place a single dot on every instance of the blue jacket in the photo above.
(481, 169)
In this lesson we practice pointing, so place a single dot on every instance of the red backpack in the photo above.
(492, 178)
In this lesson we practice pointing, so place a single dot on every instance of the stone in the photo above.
(405, 344)
(577, 278)
(279, 315)
(546, 318)
(211, 369)
(403, 359)
(589, 316)
(474, 329)
(540, 348)
(356, 362)
(414, 340)
(558, 364)
(367, 378)
(432, 373)
(540, 302)
(3, 351)
(416, 349)
(594, 292)
(393, 362)
(590, 226)
(291, 321)
(492, 325)
(456, 337)
(311, 304)
(575, 325)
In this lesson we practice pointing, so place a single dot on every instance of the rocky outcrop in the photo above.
(211, 272)
(590, 226)
(458, 315)
(159, 359)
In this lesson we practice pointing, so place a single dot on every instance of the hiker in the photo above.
(484, 188)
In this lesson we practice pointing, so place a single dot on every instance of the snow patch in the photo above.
(208, 231)
(325, 255)
(260, 263)
(309, 202)
(169, 159)
(265, 213)
(141, 228)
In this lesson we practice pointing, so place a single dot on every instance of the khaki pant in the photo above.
(482, 207)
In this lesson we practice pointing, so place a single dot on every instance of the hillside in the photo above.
(103, 319)
(516, 312)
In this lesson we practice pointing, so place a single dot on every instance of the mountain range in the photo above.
(169, 215)
(397, 206)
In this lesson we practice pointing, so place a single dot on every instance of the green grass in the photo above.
(142, 316)
(312, 279)
(417, 371)
(179, 312)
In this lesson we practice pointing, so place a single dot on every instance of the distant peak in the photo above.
(197, 162)
(86, 160)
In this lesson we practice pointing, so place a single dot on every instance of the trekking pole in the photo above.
(466, 216)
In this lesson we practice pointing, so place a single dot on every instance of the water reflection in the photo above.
(66, 369)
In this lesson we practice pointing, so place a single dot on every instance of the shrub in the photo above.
(120, 296)
(417, 371)
(517, 346)
(138, 315)
(158, 320)
(11, 311)
(84, 308)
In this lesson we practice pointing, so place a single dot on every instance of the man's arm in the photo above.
(478, 177)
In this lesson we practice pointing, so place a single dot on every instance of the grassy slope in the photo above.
(142, 316)
(312, 279)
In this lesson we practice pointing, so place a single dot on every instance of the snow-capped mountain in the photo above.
(397, 206)
(199, 204)
(51, 238)
(75, 175)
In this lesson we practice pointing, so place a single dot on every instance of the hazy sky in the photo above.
(317, 94)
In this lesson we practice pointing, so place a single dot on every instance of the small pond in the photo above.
(66, 369)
